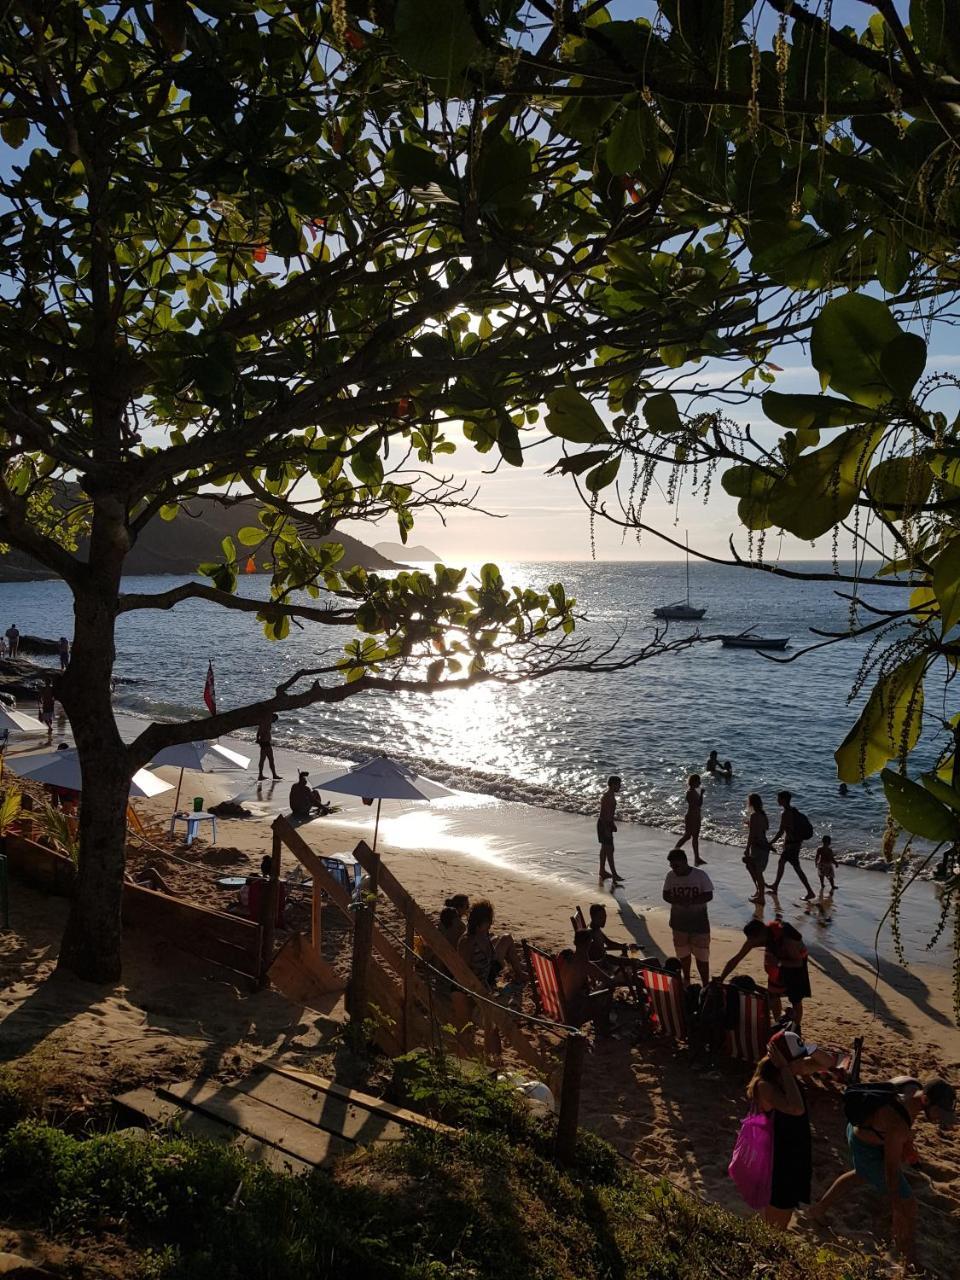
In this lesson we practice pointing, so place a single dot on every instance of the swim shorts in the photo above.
(695, 944)
(868, 1164)
(605, 836)
(791, 854)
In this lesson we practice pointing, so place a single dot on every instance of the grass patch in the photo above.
(488, 1203)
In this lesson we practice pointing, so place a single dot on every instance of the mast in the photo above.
(687, 537)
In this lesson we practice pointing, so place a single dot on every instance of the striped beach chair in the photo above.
(665, 991)
(748, 1039)
(545, 983)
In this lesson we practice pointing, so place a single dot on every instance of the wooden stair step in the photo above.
(308, 1101)
(258, 1120)
(363, 1100)
(143, 1106)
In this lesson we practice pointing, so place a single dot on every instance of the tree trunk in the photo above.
(91, 941)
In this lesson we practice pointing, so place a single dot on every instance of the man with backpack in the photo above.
(795, 827)
(879, 1134)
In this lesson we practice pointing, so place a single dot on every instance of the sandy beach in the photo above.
(536, 866)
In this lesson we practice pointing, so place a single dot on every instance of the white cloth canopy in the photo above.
(62, 769)
(202, 757)
(383, 779)
(18, 722)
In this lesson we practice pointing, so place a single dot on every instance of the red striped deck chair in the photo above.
(666, 998)
(547, 993)
(578, 921)
(748, 1040)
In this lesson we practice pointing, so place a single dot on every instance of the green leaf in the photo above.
(416, 166)
(820, 488)
(229, 549)
(503, 174)
(572, 417)
(628, 141)
(899, 484)
(579, 462)
(916, 810)
(436, 38)
(847, 345)
(888, 726)
(661, 413)
(934, 29)
(603, 475)
(250, 536)
(946, 584)
(15, 132)
(801, 412)
(942, 790)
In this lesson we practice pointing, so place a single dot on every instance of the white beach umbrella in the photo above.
(202, 757)
(383, 779)
(62, 769)
(18, 722)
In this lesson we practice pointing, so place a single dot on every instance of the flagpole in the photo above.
(376, 825)
(179, 785)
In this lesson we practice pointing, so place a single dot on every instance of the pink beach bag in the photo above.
(751, 1165)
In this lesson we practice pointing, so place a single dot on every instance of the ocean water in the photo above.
(553, 742)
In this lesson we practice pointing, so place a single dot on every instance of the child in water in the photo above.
(826, 863)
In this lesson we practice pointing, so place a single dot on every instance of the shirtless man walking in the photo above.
(606, 826)
(878, 1143)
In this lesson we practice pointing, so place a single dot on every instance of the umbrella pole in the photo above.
(176, 801)
(376, 826)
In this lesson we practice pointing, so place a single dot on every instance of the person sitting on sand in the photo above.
(880, 1143)
(486, 956)
(620, 969)
(606, 826)
(692, 818)
(826, 864)
(304, 799)
(785, 961)
(579, 976)
(458, 925)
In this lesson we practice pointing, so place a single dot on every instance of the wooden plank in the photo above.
(400, 1114)
(146, 1109)
(408, 997)
(303, 975)
(296, 1137)
(44, 868)
(365, 920)
(147, 906)
(459, 969)
(295, 842)
(269, 907)
(341, 1116)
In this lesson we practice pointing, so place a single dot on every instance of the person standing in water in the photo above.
(265, 743)
(692, 818)
(757, 853)
(794, 829)
(606, 826)
(64, 651)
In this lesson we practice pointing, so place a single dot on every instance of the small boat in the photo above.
(745, 641)
(682, 610)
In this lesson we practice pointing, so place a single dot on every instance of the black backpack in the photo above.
(804, 826)
(861, 1101)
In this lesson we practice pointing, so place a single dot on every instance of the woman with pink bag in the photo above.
(772, 1162)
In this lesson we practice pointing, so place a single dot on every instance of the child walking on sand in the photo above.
(826, 864)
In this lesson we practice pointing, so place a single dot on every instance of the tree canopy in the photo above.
(281, 249)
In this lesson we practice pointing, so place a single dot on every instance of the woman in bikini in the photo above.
(691, 820)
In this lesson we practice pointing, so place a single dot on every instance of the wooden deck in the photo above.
(286, 1118)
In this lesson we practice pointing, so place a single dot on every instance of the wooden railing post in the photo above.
(408, 959)
(574, 1052)
(268, 911)
(363, 943)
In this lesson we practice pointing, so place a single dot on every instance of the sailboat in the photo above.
(682, 610)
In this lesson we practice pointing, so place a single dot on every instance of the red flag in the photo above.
(210, 691)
